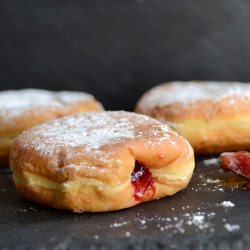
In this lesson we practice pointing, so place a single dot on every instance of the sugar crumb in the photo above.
(212, 161)
(127, 234)
(227, 204)
(118, 224)
(231, 228)
(208, 180)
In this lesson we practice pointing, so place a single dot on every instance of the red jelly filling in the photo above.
(142, 180)
(238, 162)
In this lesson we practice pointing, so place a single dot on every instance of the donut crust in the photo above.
(85, 179)
(33, 115)
(211, 125)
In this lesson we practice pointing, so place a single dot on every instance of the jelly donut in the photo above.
(100, 161)
(22, 109)
(213, 116)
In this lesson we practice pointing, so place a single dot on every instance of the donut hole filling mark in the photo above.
(142, 180)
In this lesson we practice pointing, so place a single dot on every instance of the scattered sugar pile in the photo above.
(181, 224)
(231, 228)
(118, 224)
(208, 184)
(212, 161)
(198, 220)
(227, 204)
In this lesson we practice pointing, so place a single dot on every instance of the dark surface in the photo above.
(162, 224)
(117, 49)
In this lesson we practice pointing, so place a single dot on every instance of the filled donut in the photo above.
(22, 109)
(100, 161)
(213, 116)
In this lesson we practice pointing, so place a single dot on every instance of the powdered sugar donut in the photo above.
(100, 161)
(22, 109)
(213, 116)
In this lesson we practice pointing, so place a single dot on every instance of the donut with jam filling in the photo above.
(213, 116)
(100, 161)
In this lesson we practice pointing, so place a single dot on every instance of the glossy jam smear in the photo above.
(238, 162)
(142, 180)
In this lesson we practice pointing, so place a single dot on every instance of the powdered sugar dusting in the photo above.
(227, 204)
(118, 224)
(212, 161)
(14, 102)
(231, 228)
(91, 130)
(187, 92)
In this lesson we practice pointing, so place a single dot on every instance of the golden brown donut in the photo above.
(100, 161)
(22, 109)
(213, 116)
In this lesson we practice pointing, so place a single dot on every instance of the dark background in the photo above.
(117, 49)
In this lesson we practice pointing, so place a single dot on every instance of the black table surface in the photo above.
(212, 213)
